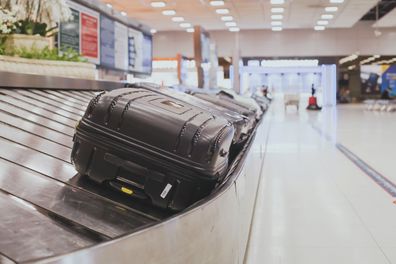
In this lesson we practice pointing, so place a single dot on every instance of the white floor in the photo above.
(314, 204)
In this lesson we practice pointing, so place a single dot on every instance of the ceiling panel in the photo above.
(389, 20)
(249, 14)
(352, 12)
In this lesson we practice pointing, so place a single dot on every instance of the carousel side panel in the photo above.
(216, 231)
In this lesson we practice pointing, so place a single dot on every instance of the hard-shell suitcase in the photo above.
(264, 102)
(152, 146)
(216, 100)
(240, 122)
(244, 101)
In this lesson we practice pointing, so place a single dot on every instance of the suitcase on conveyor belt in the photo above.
(240, 122)
(244, 101)
(262, 101)
(152, 146)
(232, 105)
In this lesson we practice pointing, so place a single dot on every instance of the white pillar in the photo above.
(235, 63)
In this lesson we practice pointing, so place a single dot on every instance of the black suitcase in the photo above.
(264, 102)
(240, 122)
(246, 102)
(152, 146)
(216, 100)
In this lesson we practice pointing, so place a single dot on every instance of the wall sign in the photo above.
(85, 28)
(121, 46)
(107, 42)
(89, 36)
(69, 33)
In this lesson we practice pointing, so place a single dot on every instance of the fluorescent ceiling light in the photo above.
(185, 25)
(277, 10)
(323, 22)
(234, 29)
(289, 63)
(109, 5)
(177, 19)
(216, 3)
(227, 18)
(276, 28)
(222, 11)
(190, 30)
(318, 28)
(123, 13)
(276, 17)
(331, 9)
(327, 16)
(231, 24)
(169, 12)
(336, 1)
(153, 31)
(348, 58)
(276, 23)
(277, 2)
(158, 4)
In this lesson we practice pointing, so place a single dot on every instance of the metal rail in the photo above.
(54, 214)
(27, 81)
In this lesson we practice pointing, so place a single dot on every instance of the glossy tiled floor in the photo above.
(315, 205)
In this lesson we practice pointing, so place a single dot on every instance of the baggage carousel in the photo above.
(52, 214)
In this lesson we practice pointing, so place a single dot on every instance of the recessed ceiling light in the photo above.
(227, 18)
(222, 11)
(319, 28)
(185, 25)
(158, 4)
(276, 17)
(276, 28)
(331, 9)
(190, 30)
(109, 5)
(327, 16)
(177, 19)
(216, 3)
(153, 31)
(169, 12)
(323, 22)
(276, 23)
(336, 1)
(277, 2)
(234, 29)
(231, 24)
(277, 10)
(123, 13)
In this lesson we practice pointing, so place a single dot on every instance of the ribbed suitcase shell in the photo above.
(233, 106)
(243, 101)
(240, 122)
(152, 141)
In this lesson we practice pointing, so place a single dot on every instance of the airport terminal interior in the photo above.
(198, 131)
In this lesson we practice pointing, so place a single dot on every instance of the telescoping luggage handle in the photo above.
(133, 188)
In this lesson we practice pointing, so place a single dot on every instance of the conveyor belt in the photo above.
(48, 209)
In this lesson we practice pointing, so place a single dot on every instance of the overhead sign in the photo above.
(121, 46)
(69, 33)
(89, 36)
(135, 50)
(147, 54)
(107, 42)
(82, 32)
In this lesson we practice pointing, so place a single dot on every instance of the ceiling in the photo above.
(249, 14)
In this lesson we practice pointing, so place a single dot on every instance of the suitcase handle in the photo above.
(134, 168)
